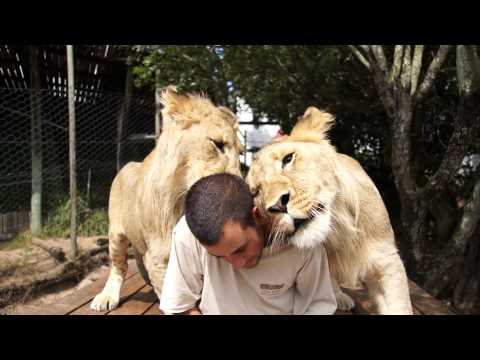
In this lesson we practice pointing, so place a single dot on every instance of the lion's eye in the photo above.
(255, 192)
(287, 159)
(220, 145)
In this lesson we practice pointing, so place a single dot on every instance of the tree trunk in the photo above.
(412, 213)
(466, 296)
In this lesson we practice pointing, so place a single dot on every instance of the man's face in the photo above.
(241, 247)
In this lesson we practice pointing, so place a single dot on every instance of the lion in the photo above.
(310, 194)
(147, 198)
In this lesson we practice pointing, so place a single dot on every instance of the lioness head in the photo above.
(200, 135)
(294, 184)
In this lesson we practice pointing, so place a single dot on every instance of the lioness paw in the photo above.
(344, 302)
(105, 301)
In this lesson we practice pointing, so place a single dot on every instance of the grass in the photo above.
(22, 240)
(89, 223)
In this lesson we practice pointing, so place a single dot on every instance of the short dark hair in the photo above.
(214, 200)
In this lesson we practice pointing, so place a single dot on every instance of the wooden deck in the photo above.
(137, 298)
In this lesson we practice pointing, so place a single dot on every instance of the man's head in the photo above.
(220, 213)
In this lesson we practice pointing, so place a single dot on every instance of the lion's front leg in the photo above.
(156, 264)
(344, 301)
(109, 298)
(388, 287)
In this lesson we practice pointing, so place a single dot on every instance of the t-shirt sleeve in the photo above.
(314, 293)
(183, 283)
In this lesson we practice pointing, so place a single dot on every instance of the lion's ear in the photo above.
(313, 124)
(228, 115)
(172, 102)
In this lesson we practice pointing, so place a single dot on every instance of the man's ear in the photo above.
(256, 213)
(313, 125)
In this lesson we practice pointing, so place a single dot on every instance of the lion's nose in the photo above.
(281, 204)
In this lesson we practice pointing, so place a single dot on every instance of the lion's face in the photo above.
(205, 133)
(214, 146)
(293, 182)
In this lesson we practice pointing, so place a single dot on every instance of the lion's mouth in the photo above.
(299, 223)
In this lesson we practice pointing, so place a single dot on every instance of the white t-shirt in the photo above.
(292, 281)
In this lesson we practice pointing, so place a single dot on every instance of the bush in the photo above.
(89, 222)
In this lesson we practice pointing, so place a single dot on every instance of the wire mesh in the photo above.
(34, 129)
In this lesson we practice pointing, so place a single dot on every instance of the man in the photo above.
(217, 264)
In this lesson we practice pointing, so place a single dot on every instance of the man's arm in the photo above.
(194, 311)
(314, 293)
(183, 283)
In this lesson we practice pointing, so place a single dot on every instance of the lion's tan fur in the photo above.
(360, 241)
(147, 199)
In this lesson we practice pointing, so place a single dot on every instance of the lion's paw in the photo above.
(106, 300)
(344, 302)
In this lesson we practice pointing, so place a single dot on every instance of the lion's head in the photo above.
(295, 183)
(199, 135)
(198, 139)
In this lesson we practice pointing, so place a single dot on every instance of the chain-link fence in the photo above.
(111, 130)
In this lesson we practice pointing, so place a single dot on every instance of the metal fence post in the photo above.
(36, 144)
(245, 149)
(72, 157)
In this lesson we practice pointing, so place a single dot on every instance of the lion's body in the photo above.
(302, 177)
(147, 198)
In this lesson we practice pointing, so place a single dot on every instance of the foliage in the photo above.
(279, 82)
(89, 222)
(193, 68)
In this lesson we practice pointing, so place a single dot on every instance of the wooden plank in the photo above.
(53, 309)
(154, 310)
(69, 302)
(415, 310)
(425, 303)
(131, 286)
(86, 294)
(422, 302)
(138, 303)
(340, 312)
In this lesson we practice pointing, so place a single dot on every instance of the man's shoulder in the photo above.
(182, 233)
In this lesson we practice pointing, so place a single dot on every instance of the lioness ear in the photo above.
(314, 123)
(228, 115)
(172, 102)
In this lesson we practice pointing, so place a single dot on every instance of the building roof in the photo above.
(97, 67)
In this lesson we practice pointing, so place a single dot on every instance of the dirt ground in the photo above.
(23, 266)
(56, 292)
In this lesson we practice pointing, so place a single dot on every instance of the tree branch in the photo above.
(385, 91)
(377, 51)
(290, 75)
(432, 72)
(468, 69)
(439, 276)
(397, 63)
(406, 74)
(359, 56)
(472, 57)
(416, 67)
(467, 128)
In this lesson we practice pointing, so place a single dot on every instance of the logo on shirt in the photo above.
(270, 289)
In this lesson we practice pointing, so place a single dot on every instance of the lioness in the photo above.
(147, 199)
(311, 194)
